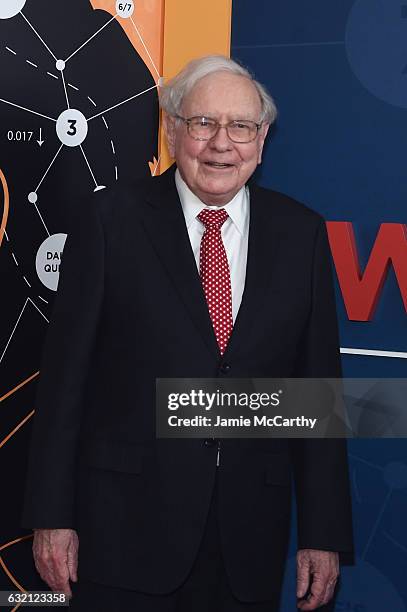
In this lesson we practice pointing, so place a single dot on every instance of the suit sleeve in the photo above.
(50, 483)
(320, 465)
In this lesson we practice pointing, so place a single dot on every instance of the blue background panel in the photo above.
(338, 72)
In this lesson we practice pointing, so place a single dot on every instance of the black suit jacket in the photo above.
(130, 308)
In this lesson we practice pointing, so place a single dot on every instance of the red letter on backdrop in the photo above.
(361, 291)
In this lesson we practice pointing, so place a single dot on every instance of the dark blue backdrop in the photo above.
(338, 72)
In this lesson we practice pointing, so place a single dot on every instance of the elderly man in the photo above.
(196, 273)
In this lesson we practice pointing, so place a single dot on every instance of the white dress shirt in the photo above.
(235, 233)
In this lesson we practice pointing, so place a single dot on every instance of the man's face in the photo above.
(216, 169)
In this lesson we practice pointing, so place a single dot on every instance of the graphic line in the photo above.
(6, 206)
(13, 580)
(27, 109)
(48, 169)
(42, 220)
(376, 525)
(393, 541)
(19, 386)
(374, 353)
(35, 306)
(372, 465)
(91, 38)
(14, 329)
(124, 102)
(11, 51)
(15, 430)
(36, 33)
(145, 48)
(87, 163)
(16, 541)
(66, 93)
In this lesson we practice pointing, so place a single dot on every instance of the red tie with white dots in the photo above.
(215, 275)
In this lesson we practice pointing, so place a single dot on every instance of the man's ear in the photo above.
(169, 130)
(262, 137)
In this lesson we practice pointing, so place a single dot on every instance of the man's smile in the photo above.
(218, 165)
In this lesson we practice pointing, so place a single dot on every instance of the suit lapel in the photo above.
(263, 244)
(164, 223)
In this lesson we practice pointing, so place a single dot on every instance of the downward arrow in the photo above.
(40, 141)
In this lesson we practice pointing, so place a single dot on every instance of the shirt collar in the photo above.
(237, 208)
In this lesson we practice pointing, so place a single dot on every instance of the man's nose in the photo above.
(221, 140)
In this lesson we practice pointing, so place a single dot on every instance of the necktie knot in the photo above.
(213, 219)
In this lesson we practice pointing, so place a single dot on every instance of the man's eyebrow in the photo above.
(240, 117)
(207, 115)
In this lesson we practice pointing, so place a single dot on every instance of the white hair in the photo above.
(173, 93)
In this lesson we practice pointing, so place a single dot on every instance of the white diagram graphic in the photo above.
(125, 9)
(48, 260)
(62, 139)
(11, 8)
(73, 128)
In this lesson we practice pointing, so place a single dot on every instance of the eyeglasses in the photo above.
(203, 128)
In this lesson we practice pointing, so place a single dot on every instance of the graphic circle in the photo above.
(60, 65)
(48, 260)
(72, 127)
(11, 8)
(125, 9)
(376, 46)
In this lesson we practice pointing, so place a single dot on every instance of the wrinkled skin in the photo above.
(55, 554)
(225, 97)
(317, 570)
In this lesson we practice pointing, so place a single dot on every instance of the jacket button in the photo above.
(225, 368)
(209, 442)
